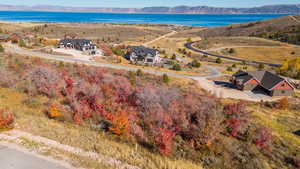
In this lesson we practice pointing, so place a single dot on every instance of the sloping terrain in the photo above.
(285, 29)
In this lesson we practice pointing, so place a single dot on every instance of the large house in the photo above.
(14, 37)
(143, 55)
(266, 81)
(87, 46)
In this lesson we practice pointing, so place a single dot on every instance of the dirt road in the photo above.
(159, 38)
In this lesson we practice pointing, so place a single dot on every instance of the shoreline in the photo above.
(111, 23)
(148, 13)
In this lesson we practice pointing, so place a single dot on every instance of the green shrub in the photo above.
(189, 40)
(261, 66)
(229, 69)
(176, 67)
(118, 51)
(173, 57)
(195, 63)
(21, 43)
(219, 60)
(233, 66)
(1, 49)
(166, 78)
(139, 72)
(231, 51)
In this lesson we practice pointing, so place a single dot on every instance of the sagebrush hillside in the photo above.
(168, 121)
(285, 29)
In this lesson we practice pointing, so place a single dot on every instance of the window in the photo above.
(282, 85)
(283, 92)
(149, 60)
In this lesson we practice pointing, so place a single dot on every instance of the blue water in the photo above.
(177, 19)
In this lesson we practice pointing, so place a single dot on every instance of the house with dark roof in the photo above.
(266, 81)
(143, 55)
(87, 46)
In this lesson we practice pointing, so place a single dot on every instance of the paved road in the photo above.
(14, 49)
(190, 46)
(14, 159)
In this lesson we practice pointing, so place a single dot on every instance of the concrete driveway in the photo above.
(16, 159)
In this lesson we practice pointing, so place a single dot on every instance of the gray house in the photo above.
(143, 55)
(84, 45)
(266, 81)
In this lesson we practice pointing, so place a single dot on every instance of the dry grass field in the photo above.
(275, 55)
(16, 26)
(282, 122)
(250, 48)
(211, 43)
(109, 33)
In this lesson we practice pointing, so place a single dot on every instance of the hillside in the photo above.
(271, 9)
(142, 120)
(285, 29)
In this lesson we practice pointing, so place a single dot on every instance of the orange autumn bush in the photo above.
(6, 120)
(283, 103)
(54, 112)
(120, 123)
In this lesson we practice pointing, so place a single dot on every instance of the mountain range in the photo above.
(270, 9)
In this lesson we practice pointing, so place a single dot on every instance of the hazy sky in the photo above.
(143, 3)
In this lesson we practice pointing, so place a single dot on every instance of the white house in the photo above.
(143, 54)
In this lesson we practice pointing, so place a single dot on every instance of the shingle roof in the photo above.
(244, 78)
(142, 51)
(269, 80)
(240, 73)
(80, 42)
(266, 79)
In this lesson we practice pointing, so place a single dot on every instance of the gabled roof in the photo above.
(80, 42)
(142, 51)
(267, 79)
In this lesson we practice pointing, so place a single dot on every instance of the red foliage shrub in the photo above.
(263, 138)
(106, 49)
(120, 86)
(69, 85)
(6, 120)
(297, 161)
(45, 80)
(237, 118)
(164, 139)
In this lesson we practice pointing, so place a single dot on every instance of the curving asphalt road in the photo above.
(15, 49)
(190, 46)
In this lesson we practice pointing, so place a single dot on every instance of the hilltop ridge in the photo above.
(269, 9)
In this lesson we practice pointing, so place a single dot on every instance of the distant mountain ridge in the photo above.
(270, 9)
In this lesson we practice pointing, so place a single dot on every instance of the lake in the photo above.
(177, 19)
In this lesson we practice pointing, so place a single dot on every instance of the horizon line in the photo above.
(45, 5)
